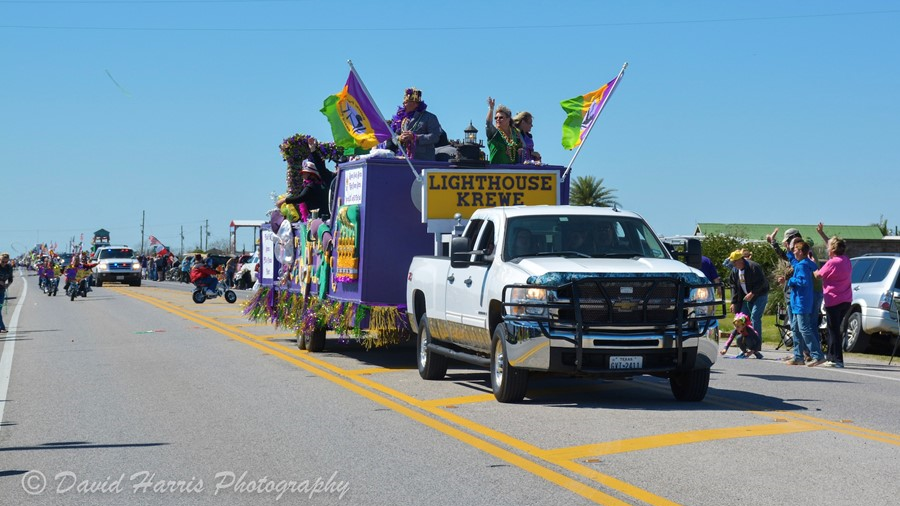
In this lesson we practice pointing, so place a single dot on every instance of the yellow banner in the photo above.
(450, 191)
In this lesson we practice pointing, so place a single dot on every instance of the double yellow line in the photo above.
(399, 402)
(450, 424)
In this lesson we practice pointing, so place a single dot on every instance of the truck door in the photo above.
(466, 290)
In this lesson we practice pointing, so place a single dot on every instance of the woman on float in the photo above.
(312, 196)
(504, 141)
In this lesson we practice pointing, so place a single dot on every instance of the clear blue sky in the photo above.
(750, 112)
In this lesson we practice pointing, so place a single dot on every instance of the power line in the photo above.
(130, 2)
(451, 28)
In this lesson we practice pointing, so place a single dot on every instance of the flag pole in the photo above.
(591, 127)
(381, 118)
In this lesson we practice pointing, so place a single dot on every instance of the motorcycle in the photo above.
(49, 285)
(200, 294)
(77, 288)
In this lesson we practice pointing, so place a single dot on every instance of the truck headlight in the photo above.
(135, 266)
(102, 267)
(703, 294)
(529, 301)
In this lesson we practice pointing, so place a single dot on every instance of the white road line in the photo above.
(845, 371)
(9, 347)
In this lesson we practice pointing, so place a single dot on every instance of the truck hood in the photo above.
(558, 270)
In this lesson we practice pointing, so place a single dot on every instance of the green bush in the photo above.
(718, 246)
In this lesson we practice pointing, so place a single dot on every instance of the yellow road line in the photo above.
(375, 370)
(678, 438)
(485, 446)
(843, 428)
(559, 457)
(466, 399)
(275, 336)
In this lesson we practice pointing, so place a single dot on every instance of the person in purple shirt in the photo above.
(838, 293)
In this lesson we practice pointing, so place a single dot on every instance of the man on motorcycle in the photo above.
(202, 274)
(45, 272)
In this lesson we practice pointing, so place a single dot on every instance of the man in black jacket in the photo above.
(749, 289)
(6, 278)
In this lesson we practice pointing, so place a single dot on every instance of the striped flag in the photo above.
(158, 246)
(582, 112)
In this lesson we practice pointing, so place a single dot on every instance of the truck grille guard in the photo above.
(616, 305)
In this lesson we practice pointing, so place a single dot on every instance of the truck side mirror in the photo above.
(459, 252)
(694, 253)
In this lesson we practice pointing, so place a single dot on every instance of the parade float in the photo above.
(346, 270)
(347, 273)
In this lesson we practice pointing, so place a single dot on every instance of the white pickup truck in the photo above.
(578, 290)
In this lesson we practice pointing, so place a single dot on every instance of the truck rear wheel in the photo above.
(690, 386)
(315, 340)
(431, 365)
(509, 384)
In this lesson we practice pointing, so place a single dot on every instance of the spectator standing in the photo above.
(6, 279)
(802, 320)
(749, 288)
(230, 267)
(709, 270)
(186, 269)
(161, 265)
(838, 294)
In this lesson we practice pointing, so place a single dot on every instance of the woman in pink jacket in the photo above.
(838, 294)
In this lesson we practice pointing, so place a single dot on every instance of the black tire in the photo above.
(509, 383)
(136, 282)
(198, 296)
(73, 292)
(690, 386)
(855, 338)
(98, 282)
(431, 365)
(315, 340)
(301, 342)
(230, 297)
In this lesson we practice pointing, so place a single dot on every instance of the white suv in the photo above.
(876, 280)
(116, 264)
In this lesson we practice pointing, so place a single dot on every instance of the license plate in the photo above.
(626, 362)
(120, 278)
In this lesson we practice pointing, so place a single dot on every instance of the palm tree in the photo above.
(589, 191)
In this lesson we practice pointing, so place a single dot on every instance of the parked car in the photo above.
(875, 281)
(241, 260)
(245, 274)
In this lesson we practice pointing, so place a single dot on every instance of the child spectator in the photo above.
(747, 338)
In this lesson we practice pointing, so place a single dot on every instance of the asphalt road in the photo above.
(138, 396)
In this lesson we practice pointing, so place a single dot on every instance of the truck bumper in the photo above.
(527, 348)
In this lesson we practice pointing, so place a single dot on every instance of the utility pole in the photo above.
(200, 245)
(142, 231)
(182, 242)
(207, 236)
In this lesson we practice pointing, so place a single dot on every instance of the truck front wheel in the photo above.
(431, 365)
(690, 386)
(509, 384)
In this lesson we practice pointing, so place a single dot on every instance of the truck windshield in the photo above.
(583, 236)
